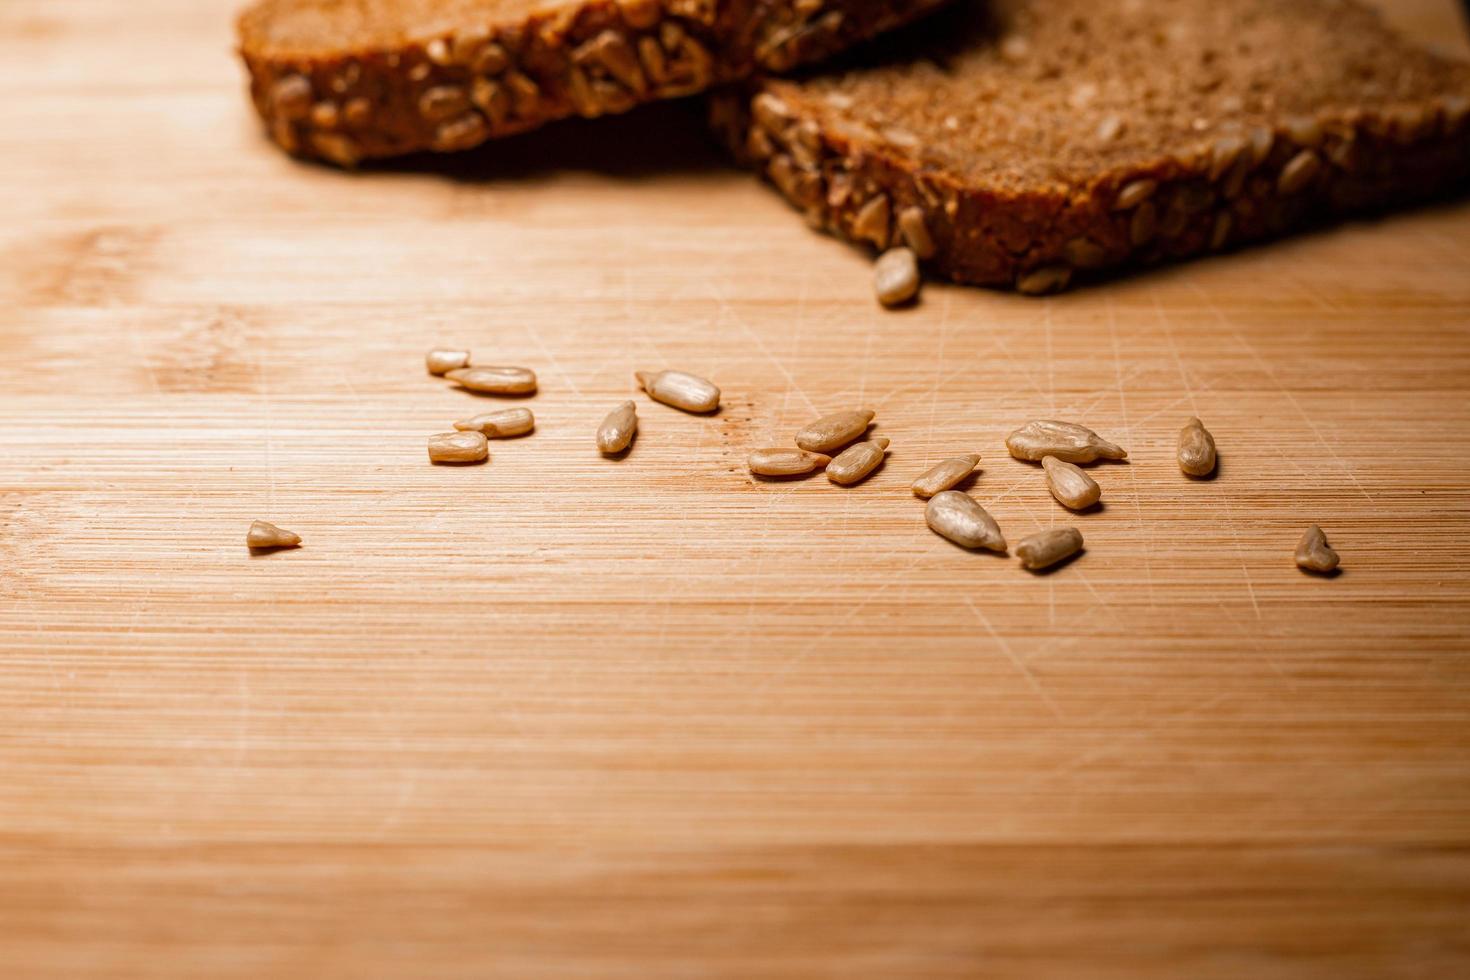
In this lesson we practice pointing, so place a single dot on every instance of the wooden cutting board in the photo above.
(562, 716)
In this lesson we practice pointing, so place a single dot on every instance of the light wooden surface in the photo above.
(559, 716)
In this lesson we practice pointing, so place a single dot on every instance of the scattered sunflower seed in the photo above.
(834, 431)
(1196, 449)
(1313, 553)
(495, 380)
(1049, 547)
(499, 425)
(785, 462)
(1073, 488)
(896, 276)
(683, 391)
(263, 534)
(945, 475)
(458, 447)
(856, 461)
(1067, 442)
(618, 429)
(441, 361)
(958, 517)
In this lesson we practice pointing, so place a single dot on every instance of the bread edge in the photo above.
(454, 92)
(1252, 185)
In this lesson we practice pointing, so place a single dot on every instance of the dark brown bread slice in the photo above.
(1020, 141)
(347, 79)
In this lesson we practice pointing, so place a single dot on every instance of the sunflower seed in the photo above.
(458, 447)
(499, 425)
(460, 132)
(772, 114)
(1226, 151)
(495, 380)
(357, 112)
(896, 276)
(1084, 253)
(1067, 442)
(958, 517)
(443, 102)
(1305, 130)
(1049, 547)
(856, 461)
(834, 431)
(785, 462)
(491, 59)
(915, 232)
(1047, 279)
(325, 115)
(683, 391)
(1298, 173)
(871, 222)
(263, 534)
(1220, 233)
(1261, 142)
(440, 361)
(1313, 553)
(1144, 223)
(1196, 449)
(336, 148)
(651, 56)
(944, 475)
(1135, 193)
(1073, 488)
(617, 430)
(291, 96)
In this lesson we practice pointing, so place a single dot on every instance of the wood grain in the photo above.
(563, 716)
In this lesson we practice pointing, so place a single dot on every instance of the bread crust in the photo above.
(1231, 186)
(481, 80)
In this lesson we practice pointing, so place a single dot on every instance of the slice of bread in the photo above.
(347, 79)
(1022, 142)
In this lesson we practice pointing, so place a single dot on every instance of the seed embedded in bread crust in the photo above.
(960, 518)
(1314, 554)
(1047, 279)
(291, 96)
(1134, 193)
(1224, 155)
(686, 392)
(495, 380)
(915, 232)
(1071, 487)
(857, 461)
(945, 475)
(617, 430)
(501, 424)
(263, 534)
(458, 447)
(1049, 547)
(443, 102)
(1196, 449)
(871, 222)
(1067, 441)
(1220, 233)
(896, 276)
(1298, 173)
(781, 461)
(441, 361)
(834, 431)
(1143, 224)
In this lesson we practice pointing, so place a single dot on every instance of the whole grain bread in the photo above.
(343, 80)
(1026, 142)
